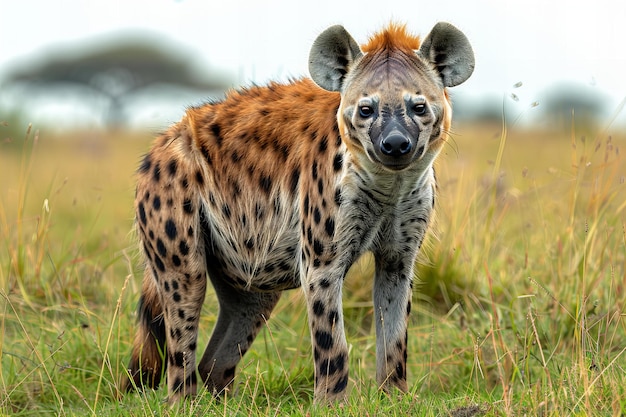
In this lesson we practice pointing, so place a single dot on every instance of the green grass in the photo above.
(520, 310)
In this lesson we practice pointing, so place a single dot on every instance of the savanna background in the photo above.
(520, 306)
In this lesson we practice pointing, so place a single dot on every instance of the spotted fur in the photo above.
(285, 186)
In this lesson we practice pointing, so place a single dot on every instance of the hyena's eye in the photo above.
(420, 109)
(366, 111)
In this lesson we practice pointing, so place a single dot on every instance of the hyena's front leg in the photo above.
(395, 253)
(392, 304)
(330, 350)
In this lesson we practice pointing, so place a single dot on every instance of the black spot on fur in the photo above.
(184, 183)
(179, 359)
(318, 247)
(172, 167)
(329, 226)
(277, 206)
(400, 370)
(142, 213)
(317, 216)
(258, 211)
(190, 381)
(338, 162)
(320, 186)
(170, 229)
(178, 385)
(159, 263)
(324, 340)
(333, 316)
(183, 247)
(156, 203)
(318, 308)
(295, 178)
(145, 164)
(226, 211)
(338, 196)
(332, 366)
(205, 153)
(341, 385)
(156, 173)
(217, 132)
(176, 297)
(284, 152)
(199, 178)
(175, 260)
(323, 145)
(161, 247)
(325, 283)
(187, 206)
(314, 170)
(266, 183)
(337, 135)
(235, 157)
(249, 243)
(306, 206)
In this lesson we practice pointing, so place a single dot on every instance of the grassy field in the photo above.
(520, 310)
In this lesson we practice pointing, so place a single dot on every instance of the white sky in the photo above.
(537, 42)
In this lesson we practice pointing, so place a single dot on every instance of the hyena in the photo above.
(285, 185)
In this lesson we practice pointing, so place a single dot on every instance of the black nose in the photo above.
(395, 144)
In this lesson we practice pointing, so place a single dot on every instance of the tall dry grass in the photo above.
(520, 307)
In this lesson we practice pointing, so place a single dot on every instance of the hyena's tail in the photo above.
(147, 364)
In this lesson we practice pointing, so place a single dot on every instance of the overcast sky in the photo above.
(537, 42)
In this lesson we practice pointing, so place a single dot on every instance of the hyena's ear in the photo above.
(332, 53)
(448, 49)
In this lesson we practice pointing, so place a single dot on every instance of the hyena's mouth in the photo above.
(394, 164)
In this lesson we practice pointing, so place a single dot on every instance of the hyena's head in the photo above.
(394, 106)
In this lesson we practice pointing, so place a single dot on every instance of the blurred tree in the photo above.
(568, 103)
(112, 69)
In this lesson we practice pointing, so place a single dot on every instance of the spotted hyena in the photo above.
(285, 186)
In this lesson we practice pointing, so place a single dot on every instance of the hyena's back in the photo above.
(246, 160)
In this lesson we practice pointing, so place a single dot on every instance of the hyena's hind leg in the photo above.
(175, 281)
(241, 317)
(146, 365)
(167, 334)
